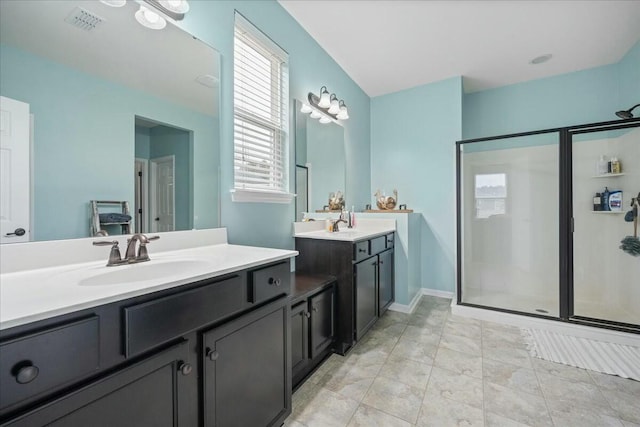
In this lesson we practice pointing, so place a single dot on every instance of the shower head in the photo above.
(626, 114)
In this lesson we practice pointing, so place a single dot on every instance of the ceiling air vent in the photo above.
(83, 19)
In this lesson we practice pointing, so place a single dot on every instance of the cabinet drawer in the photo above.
(390, 240)
(43, 361)
(378, 244)
(159, 321)
(269, 282)
(361, 250)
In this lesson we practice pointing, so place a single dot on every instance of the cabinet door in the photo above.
(366, 295)
(322, 327)
(386, 285)
(247, 369)
(299, 338)
(145, 394)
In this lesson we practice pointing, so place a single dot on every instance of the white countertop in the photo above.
(32, 295)
(366, 229)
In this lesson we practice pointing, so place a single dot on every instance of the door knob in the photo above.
(157, 219)
(17, 232)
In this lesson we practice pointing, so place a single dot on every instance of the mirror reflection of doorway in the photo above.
(163, 177)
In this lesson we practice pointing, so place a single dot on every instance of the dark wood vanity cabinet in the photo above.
(313, 323)
(365, 280)
(246, 379)
(148, 393)
(214, 352)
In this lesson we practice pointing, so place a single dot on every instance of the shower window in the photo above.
(490, 194)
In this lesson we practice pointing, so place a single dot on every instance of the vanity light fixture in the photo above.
(326, 105)
(306, 109)
(150, 15)
(114, 3)
(150, 18)
(176, 6)
(324, 120)
(334, 107)
(344, 113)
(325, 100)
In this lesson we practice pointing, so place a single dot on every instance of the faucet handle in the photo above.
(114, 256)
(143, 253)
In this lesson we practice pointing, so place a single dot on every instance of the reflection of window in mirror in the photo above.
(490, 194)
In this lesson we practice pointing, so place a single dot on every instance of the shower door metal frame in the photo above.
(565, 237)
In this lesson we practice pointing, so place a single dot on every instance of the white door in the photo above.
(162, 194)
(14, 171)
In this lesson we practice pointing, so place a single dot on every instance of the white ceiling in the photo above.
(387, 46)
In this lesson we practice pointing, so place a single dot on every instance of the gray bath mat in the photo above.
(600, 356)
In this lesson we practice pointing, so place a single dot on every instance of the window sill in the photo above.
(255, 196)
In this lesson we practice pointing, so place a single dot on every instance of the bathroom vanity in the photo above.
(313, 323)
(205, 345)
(362, 261)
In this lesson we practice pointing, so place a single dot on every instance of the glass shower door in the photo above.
(606, 176)
(509, 223)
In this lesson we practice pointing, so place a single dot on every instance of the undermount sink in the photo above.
(144, 271)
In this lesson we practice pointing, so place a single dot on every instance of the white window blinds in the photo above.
(260, 124)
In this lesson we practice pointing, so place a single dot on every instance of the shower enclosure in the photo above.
(533, 236)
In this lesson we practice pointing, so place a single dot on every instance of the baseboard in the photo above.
(437, 293)
(403, 308)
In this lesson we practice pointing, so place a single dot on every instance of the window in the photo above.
(260, 116)
(491, 194)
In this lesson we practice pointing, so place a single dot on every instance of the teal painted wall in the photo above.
(629, 80)
(569, 99)
(412, 150)
(142, 143)
(586, 96)
(310, 67)
(79, 155)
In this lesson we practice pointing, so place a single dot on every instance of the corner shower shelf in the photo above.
(608, 175)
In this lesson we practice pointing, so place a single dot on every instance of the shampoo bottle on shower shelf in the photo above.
(597, 202)
(602, 166)
(605, 199)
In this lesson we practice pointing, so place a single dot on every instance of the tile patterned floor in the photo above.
(435, 369)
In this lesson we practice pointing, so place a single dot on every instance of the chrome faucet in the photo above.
(143, 255)
(115, 258)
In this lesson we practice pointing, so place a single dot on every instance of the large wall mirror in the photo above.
(320, 162)
(118, 113)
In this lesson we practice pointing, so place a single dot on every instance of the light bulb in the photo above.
(334, 108)
(315, 115)
(344, 113)
(150, 19)
(325, 101)
(114, 3)
(177, 6)
(324, 120)
(306, 109)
